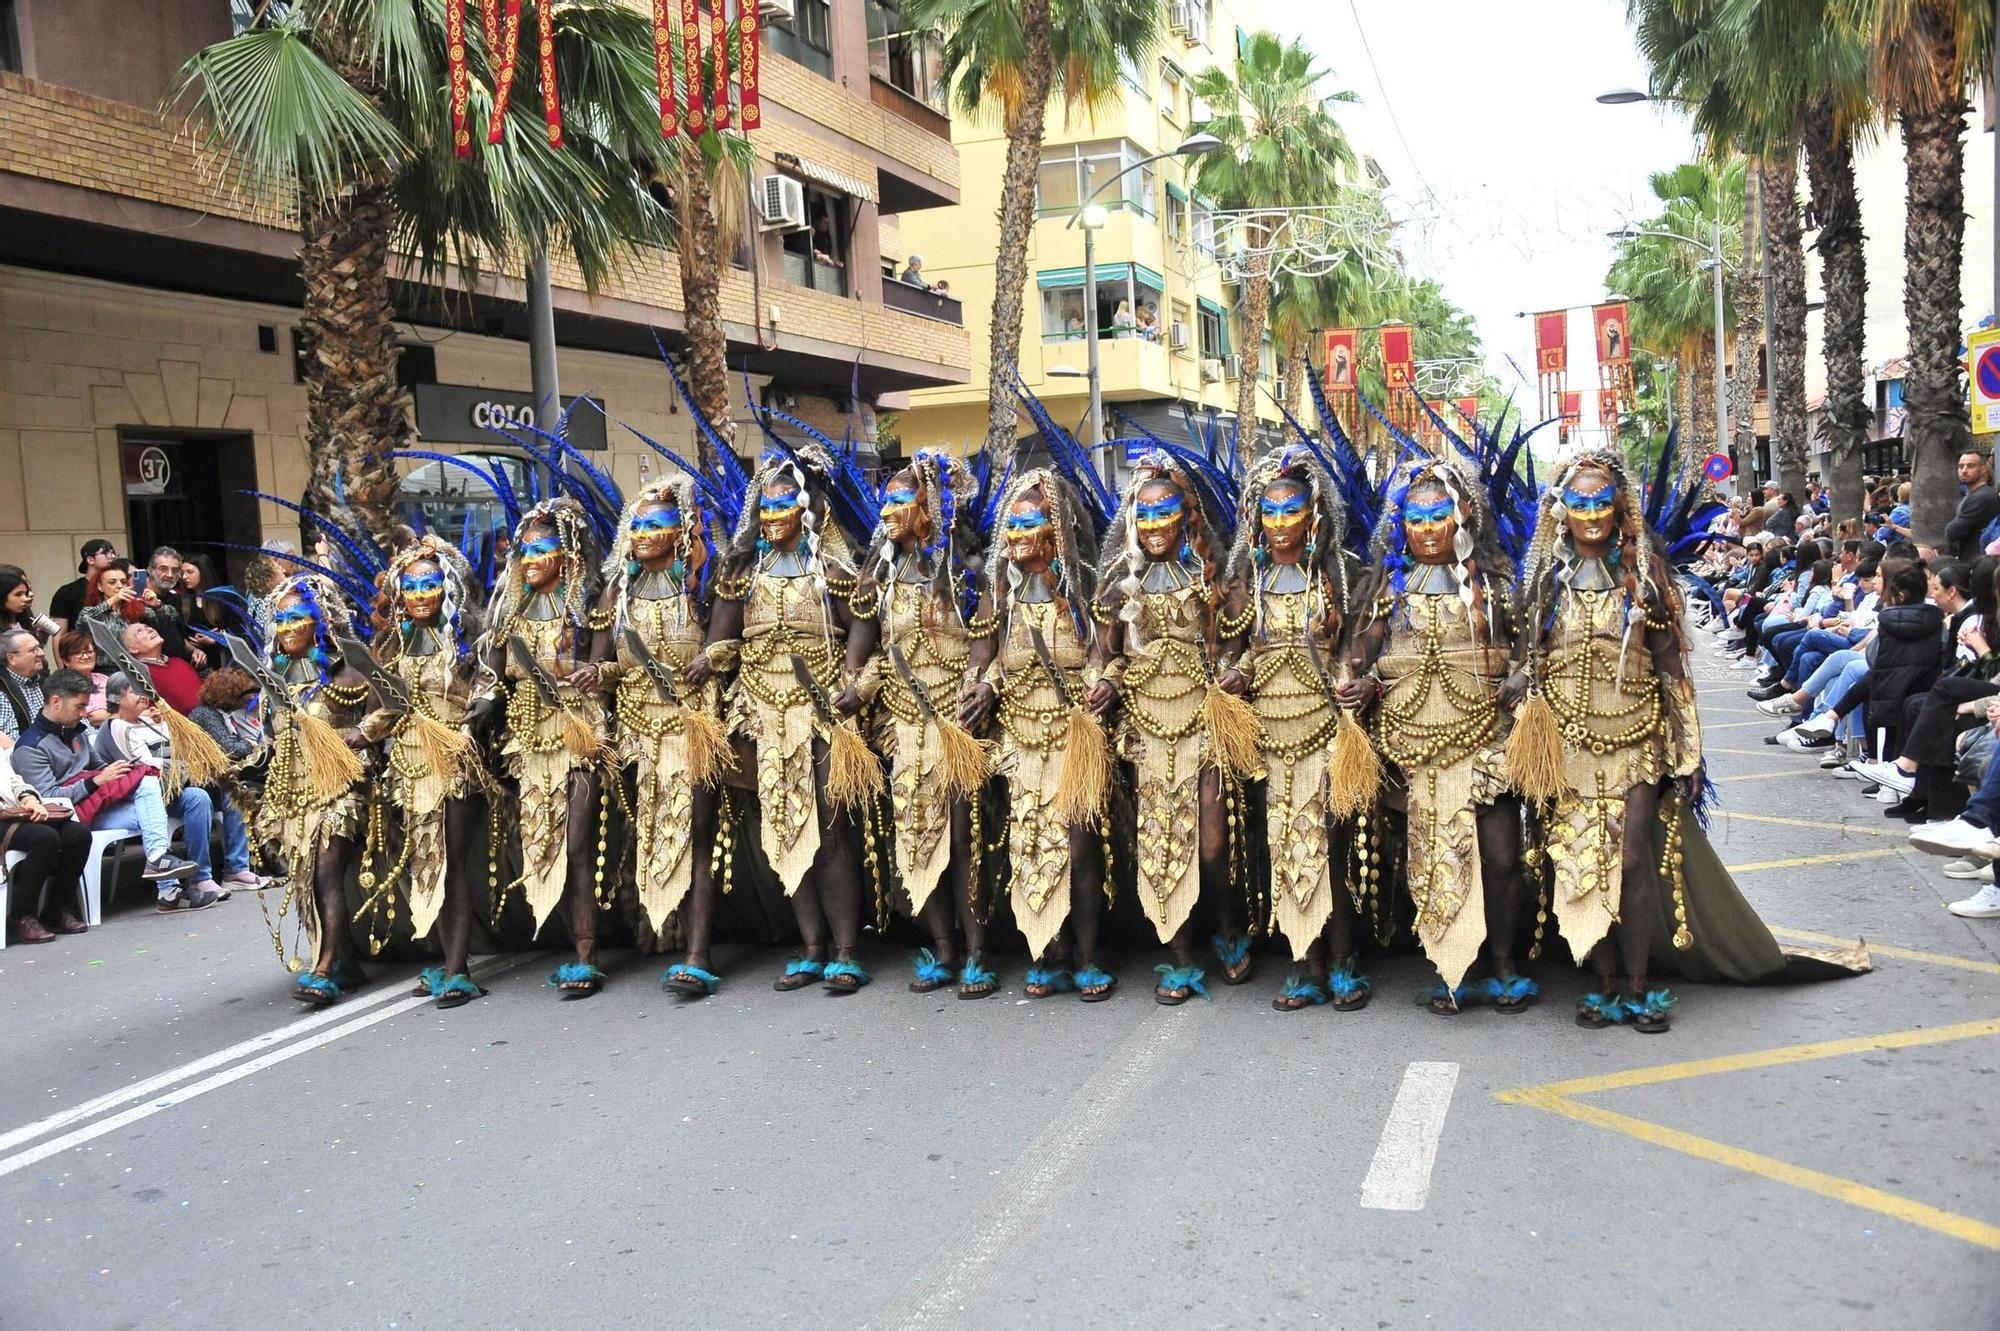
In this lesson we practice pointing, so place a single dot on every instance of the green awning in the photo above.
(1176, 192)
(1106, 272)
(1149, 277)
(1213, 308)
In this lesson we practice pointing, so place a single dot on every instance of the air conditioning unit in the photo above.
(1177, 14)
(782, 11)
(1211, 370)
(1195, 32)
(781, 204)
(1177, 336)
(1232, 367)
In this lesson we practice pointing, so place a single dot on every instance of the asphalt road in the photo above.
(181, 1146)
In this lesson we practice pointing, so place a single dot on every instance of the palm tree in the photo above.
(1670, 289)
(1924, 53)
(1286, 148)
(342, 105)
(1011, 58)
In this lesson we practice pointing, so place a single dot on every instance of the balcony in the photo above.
(925, 304)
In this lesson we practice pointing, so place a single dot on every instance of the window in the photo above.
(1214, 345)
(438, 498)
(1173, 88)
(904, 58)
(1070, 173)
(1133, 76)
(1203, 225)
(10, 46)
(806, 37)
(817, 256)
(1182, 319)
(1176, 223)
(242, 14)
(1128, 303)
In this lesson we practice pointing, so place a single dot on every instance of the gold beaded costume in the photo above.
(654, 731)
(934, 645)
(419, 778)
(787, 611)
(548, 739)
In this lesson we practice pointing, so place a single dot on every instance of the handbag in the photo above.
(110, 793)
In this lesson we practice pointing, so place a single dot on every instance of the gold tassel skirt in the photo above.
(920, 796)
(1586, 839)
(543, 763)
(788, 807)
(665, 817)
(1168, 791)
(1295, 819)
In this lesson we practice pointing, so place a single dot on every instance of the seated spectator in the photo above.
(55, 849)
(76, 650)
(1974, 833)
(55, 759)
(22, 666)
(135, 734)
(67, 604)
(17, 605)
(228, 712)
(176, 682)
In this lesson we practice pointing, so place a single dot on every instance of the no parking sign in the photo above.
(1983, 366)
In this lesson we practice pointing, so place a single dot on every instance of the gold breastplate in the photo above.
(785, 617)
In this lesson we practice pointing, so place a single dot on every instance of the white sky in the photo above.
(1525, 171)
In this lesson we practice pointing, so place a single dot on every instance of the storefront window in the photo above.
(438, 498)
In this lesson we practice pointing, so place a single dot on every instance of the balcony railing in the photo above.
(915, 300)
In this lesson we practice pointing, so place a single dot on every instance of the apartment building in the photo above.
(147, 310)
(1169, 341)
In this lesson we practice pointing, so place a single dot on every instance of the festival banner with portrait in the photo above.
(1551, 358)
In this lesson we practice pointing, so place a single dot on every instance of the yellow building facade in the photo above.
(1169, 342)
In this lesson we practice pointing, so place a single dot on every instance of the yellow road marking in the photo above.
(1737, 725)
(1948, 1223)
(1801, 861)
(1858, 828)
(1766, 752)
(1555, 1098)
(1754, 776)
(1907, 954)
(1767, 1058)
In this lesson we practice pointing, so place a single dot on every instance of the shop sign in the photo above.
(461, 414)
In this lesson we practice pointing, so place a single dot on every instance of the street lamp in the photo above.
(1089, 216)
(1715, 265)
(1623, 97)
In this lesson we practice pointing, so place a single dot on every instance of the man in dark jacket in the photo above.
(1979, 507)
(1909, 654)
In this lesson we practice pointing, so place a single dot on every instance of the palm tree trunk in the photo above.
(1749, 300)
(1256, 313)
(1294, 395)
(355, 408)
(1789, 453)
(1017, 222)
(701, 292)
(1836, 209)
(1684, 390)
(1701, 405)
(1935, 429)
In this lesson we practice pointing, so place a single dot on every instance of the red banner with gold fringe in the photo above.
(1607, 409)
(1399, 374)
(697, 118)
(1614, 349)
(503, 77)
(718, 41)
(461, 75)
(746, 34)
(551, 99)
(1551, 358)
(1571, 407)
(663, 68)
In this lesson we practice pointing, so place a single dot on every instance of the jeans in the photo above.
(1983, 809)
(1853, 675)
(1817, 645)
(1829, 671)
(146, 813)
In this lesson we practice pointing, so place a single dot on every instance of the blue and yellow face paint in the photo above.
(284, 621)
(1424, 518)
(1154, 516)
(771, 506)
(658, 522)
(1024, 524)
(1591, 504)
(421, 584)
(542, 547)
(1283, 513)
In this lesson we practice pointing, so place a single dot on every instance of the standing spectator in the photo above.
(176, 682)
(205, 613)
(76, 650)
(913, 272)
(22, 664)
(1979, 507)
(167, 604)
(17, 605)
(113, 599)
(67, 604)
(55, 759)
(135, 733)
(54, 849)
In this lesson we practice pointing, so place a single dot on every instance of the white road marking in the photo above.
(940, 1291)
(344, 1013)
(1399, 1177)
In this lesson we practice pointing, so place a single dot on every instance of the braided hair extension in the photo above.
(1325, 556)
(676, 491)
(946, 555)
(1485, 573)
(567, 519)
(1124, 558)
(330, 612)
(460, 609)
(1070, 576)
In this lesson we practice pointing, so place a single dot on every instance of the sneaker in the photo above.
(1969, 868)
(1953, 836)
(1731, 635)
(1799, 742)
(1887, 795)
(1889, 776)
(1820, 724)
(192, 898)
(168, 865)
(249, 878)
(1769, 692)
(1746, 663)
(1981, 905)
(1846, 771)
(1784, 704)
(1835, 759)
